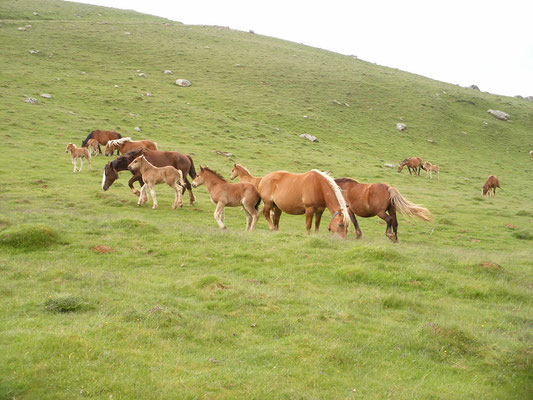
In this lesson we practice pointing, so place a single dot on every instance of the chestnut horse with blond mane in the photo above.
(123, 145)
(371, 199)
(309, 193)
(244, 175)
(102, 137)
(413, 163)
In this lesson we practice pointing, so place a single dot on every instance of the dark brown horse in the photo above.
(102, 137)
(179, 161)
(371, 199)
(309, 193)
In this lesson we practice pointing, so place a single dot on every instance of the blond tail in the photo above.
(405, 207)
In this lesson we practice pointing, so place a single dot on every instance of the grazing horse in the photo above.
(76, 153)
(102, 137)
(153, 175)
(244, 175)
(430, 168)
(159, 159)
(123, 145)
(92, 144)
(490, 186)
(371, 199)
(224, 194)
(309, 193)
(413, 163)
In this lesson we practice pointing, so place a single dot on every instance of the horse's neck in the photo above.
(244, 174)
(213, 180)
(329, 197)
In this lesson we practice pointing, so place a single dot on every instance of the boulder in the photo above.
(499, 114)
(390, 165)
(168, 72)
(474, 87)
(137, 129)
(309, 137)
(142, 74)
(30, 100)
(401, 127)
(46, 95)
(183, 82)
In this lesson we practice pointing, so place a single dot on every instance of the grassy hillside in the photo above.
(178, 309)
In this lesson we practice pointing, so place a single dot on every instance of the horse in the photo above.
(490, 185)
(531, 154)
(92, 144)
(371, 199)
(159, 159)
(309, 193)
(102, 137)
(430, 168)
(125, 144)
(153, 175)
(76, 153)
(244, 175)
(224, 194)
(413, 163)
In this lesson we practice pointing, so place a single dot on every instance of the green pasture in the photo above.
(102, 299)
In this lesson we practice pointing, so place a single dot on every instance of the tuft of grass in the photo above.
(29, 237)
(523, 235)
(131, 224)
(449, 339)
(395, 301)
(65, 303)
(524, 213)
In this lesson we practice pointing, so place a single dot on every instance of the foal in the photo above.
(413, 163)
(490, 185)
(244, 175)
(153, 175)
(93, 144)
(225, 194)
(76, 153)
(430, 168)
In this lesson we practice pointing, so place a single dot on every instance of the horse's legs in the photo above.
(192, 198)
(266, 212)
(74, 162)
(251, 215)
(358, 233)
(219, 215)
(276, 215)
(318, 217)
(89, 161)
(154, 199)
(438, 175)
(248, 217)
(99, 149)
(309, 213)
(388, 219)
(392, 213)
(177, 195)
(142, 194)
(81, 165)
(135, 178)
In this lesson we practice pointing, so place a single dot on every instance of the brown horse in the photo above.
(225, 194)
(102, 137)
(244, 175)
(153, 175)
(371, 199)
(125, 144)
(490, 186)
(76, 153)
(92, 145)
(309, 193)
(413, 163)
(159, 159)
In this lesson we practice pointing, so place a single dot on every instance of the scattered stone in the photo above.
(463, 132)
(239, 65)
(474, 87)
(251, 31)
(213, 360)
(30, 100)
(36, 14)
(431, 141)
(146, 94)
(485, 123)
(34, 51)
(137, 70)
(253, 325)
(516, 97)
(207, 47)
(400, 126)
(305, 116)
(167, 71)
(28, 26)
(336, 102)
(127, 33)
(346, 104)
(132, 114)
(390, 165)
(142, 74)
(223, 153)
(116, 86)
(309, 137)
(83, 73)
(183, 82)
(530, 98)
(46, 95)
(137, 129)
(21, 28)
(499, 114)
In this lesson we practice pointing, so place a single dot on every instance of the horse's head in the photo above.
(234, 173)
(485, 189)
(109, 148)
(136, 164)
(400, 167)
(200, 177)
(339, 225)
(70, 146)
(110, 176)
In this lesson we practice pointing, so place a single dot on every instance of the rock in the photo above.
(168, 72)
(83, 73)
(116, 86)
(251, 31)
(309, 137)
(336, 102)
(46, 95)
(36, 14)
(137, 129)
(431, 141)
(530, 98)
(305, 116)
(474, 87)
(30, 100)
(34, 51)
(183, 82)
(28, 26)
(518, 97)
(142, 74)
(401, 127)
(223, 153)
(499, 114)
(127, 33)
(346, 104)
(390, 165)
(21, 28)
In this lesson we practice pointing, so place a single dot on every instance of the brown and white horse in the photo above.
(430, 168)
(309, 193)
(490, 186)
(102, 137)
(76, 153)
(244, 175)
(225, 194)
(125, 144)
(413, 163)
(371, 199)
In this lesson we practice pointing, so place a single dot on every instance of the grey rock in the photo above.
(474, 87)
(183, 83)
(499, 114)
(401, 127)
(309, 137)
(30, 100)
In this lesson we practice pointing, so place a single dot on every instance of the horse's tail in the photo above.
(258, 202)
(119, 135)
(89, 136)
(192, 170)
(155, 144)
(405, 207)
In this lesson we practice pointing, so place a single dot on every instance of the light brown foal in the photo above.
(92, 144)
(153, 175)
(76, 153)
(225, 194)
(490, 186)
(244, 175)
(413, 163)
(430, 168)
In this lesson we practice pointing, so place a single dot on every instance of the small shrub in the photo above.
(396, 302)
(524, 213)
(446, 221)
(64, 303)
(29, 237)
(523, 235)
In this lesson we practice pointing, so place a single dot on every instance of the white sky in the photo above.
(488, 43)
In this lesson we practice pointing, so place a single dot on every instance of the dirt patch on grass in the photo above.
(491, 266)
(102, 249)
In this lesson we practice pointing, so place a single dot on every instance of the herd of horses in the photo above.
(309, 193)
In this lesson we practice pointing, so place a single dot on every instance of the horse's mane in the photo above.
(346, 180)
(119, 141)
(244, 168)
(214, 172)
(338, 195)
(127, 158)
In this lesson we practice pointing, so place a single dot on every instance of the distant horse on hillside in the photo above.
(430, 168)
(153, 175)
(244, 175)
(76, 153)
(224, 194)
(309, 193)
(490, 186)
(102, 137)
(125, 144)
(371, 199)
(178, 160)
(413, 163)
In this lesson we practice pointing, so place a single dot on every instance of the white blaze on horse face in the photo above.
(103, 180)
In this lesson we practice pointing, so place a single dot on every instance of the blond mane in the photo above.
(338, 195)
(244, 168)
(117, 142)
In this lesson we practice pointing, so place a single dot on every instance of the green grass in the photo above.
(178, 309)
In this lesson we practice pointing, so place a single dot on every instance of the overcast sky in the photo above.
(488, 43)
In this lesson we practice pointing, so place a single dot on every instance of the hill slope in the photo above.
(179, 309)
